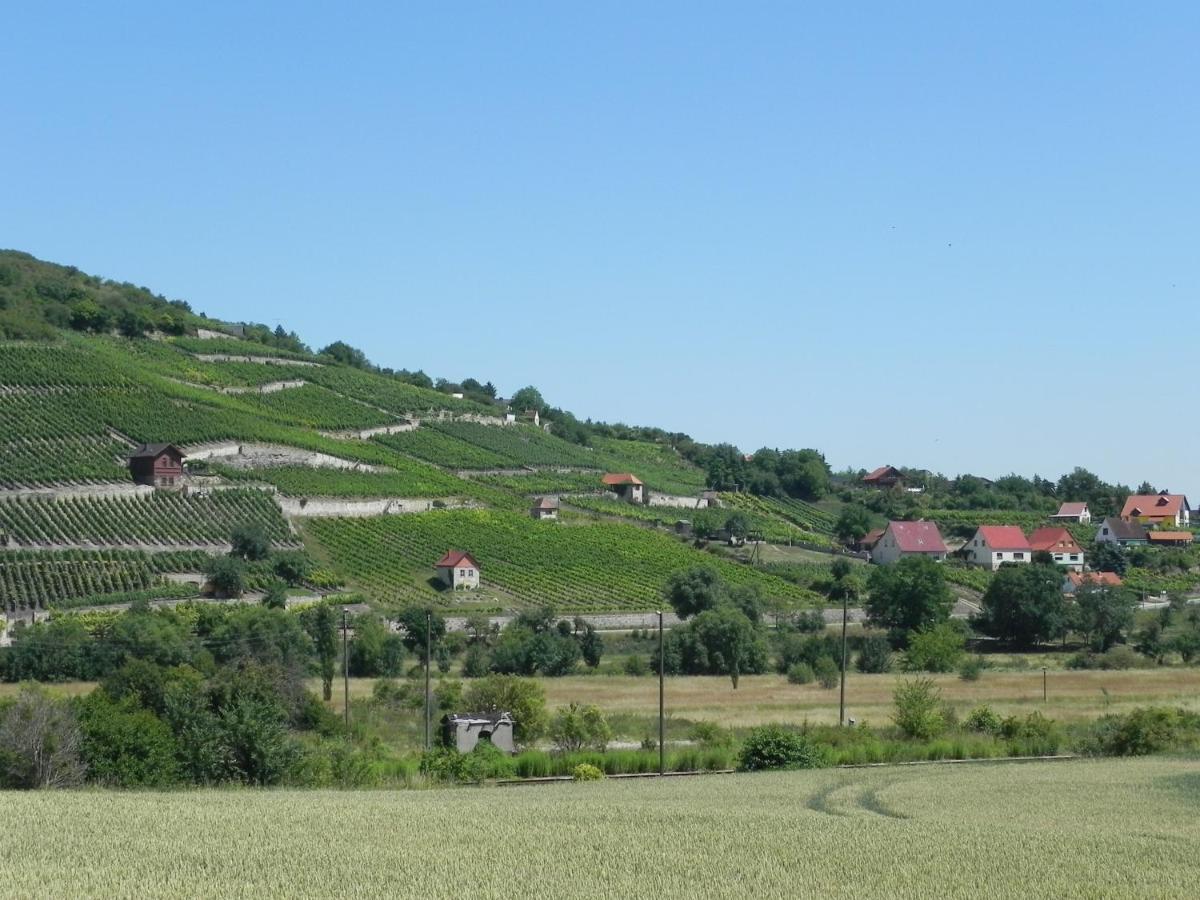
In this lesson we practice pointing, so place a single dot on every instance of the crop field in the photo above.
(521, 445)
(234, 347)
(410, 479)
(538, 483)
(805, 516)
(160, 518)
(82, 458)
(574, 568)
(1118, 828)
(388, 393)
(435, 446)
(313, 406)
(660, 467)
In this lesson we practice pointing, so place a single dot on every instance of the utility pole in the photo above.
(428, 652)
(345, 667)
(1043, 684)
(662, 752)
(842, 700)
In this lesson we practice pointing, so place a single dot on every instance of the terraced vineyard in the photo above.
(586, 568)
(815, 524)
(159, 518)
(313, 406)
(659, 466)
(539, 483)
(233, 347)
(389, 393)
(412, 479)
(521, 445)
(967, 520)
(86, 459)
(435, 446)
(773, 529)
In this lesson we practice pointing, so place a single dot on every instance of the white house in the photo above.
(901, 539)
(626, 486)
(1060, 544)
(996, 544)
(458, 569)
(1117, 531)
(545, 508)
(1073, 512)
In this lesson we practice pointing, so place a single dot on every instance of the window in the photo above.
(462, 573)
(1074, 557)
(1018, 556)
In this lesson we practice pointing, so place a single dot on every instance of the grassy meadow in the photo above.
(1065, 829)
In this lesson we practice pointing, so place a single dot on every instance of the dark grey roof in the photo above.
(1125, 531)
(153, 450)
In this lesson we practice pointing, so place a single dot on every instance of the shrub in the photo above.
(635, 665)
(1031, 735)
(800, 673)
(710, 734)
(577, 727)
(777, 747)
(1151, 729)
(1114, 659)
(919, 709)
(983, 719)
(936, 649)
(250, 542)
(827, 672)
(875, 657)
(226, 574)
(125, 745)
(972, 667)
(523, 698)
(585, 772)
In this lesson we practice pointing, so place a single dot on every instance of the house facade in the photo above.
(1167, 510)
(545, 508)
(458, 569)
(626, 486)
(158, 465)
(1073, 512)
(1117, 531)
(883, 477)
(1059, 543)
(901, 539)
(994, 545)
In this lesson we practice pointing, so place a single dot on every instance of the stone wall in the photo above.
(259, 456)
(324, 507)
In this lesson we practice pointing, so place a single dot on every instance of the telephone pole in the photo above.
(662, 751)
(842, 699)
(428, 696)
(345, 668)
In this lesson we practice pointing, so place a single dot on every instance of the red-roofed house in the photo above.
(869, 540)
(1073, 512)
(996, 544)
(901, 539)
(1059, 543)
(1158, 509)
(545, 508)
(458, 569)
(1075, 580)
(626, 486)
(883, 477)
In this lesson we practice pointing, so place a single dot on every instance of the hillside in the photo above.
(373, 476)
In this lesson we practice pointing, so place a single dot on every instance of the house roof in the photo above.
(1072, 510)
(1125, 531)
(151, 450)
(1153, 505)
(1003, 537)
(615, 478)
(871, 537)
(917, 537)
(454, 558)
(546, 503)
(881, 473)
(1170, 537)
(1053, 540)
(1111, 579)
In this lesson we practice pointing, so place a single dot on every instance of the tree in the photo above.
(919, 709)
(1103, 613)
(737, 525)
(728, 638)
(577, 727)
(87, 315)
(250, 542)
(275, 596)
(592, 646)
(226, 575)
(134, 323)
(908, 596)
(342, 352)
(1105, 556)
(528, 398)
(1023, 604)
(40, 742)
(292, 567)
(320, 622)
(694, 590)
(522, 698)
(376, 651)
(418, 624)
(937, 648)
(125, 745)
(853, 522)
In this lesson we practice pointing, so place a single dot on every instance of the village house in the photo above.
(901, 539)
(626, 486)
(158, 465)
(883, 477)
(1059, 543)
(1117, 531)
(464, 731)
(1170, 538)
(545, 508)
(1075, 580)
(1073, 512)
(458, 569)
(1168, 510)
(993, 545)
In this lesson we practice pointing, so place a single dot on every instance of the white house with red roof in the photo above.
(1171, 510)
(901, 539)
(996, 544)
(626, 486)
(458, 569)
(1060, 544)
(1073, 512)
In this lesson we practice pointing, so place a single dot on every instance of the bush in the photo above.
(801, 673)
(485, 761)
(936, 649)
(919, 709)
(710, 734)
(982, 719)
(1114, 659)
(1152, 729)
(125, 745)
(635, 665)
(250, 542)
(577, 727)
(776, 747)
(227, 575)
(1032, 735)
(827, 672)
(585, 772)
(972, 667)
(875, 657)
(523, 698)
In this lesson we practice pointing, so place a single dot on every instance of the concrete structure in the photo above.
(626, 486)
(157, 465)
(464, 731)
(883, 477)
(901, 539)
(1166, 510)
(545, 508)
(458, 569)
(1073, 512)
(1075, 580)
(709, 500)
(1117, 531)
(993, 545)
(1059, 543)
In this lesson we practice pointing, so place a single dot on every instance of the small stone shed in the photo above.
(625, 485)
(158, 465)
(545, 508)
(463, 731)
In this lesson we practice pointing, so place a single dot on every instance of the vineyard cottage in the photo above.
(158, 465)
(545, 508)
(626, 486)
(458, 569)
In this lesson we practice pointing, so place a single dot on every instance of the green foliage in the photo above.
(919, 711)
(226, 574)
(585, 772)
(1024, 605)
(908, 596)
(983, 719)
(801, 673)
(250, 542)
(828, 672)
(853, 522)
(523, 698)
(972, 668)
(936, 648)
(375, 651)
(1143, 731)
(874, 655)
(1102, 614)
(125, 745)
(577, 727)
(778, 747)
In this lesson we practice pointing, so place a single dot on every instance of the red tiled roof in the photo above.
(1003, 537)
(917, 537)
(1112, 579)
(871, 537)
(546, 503)
(1153, 505)
(454, 558)
(1073, 510)
(615, 478)
(1053, 540)
(1170, 537)
(882, 472)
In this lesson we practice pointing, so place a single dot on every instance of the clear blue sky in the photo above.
(915, 234)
